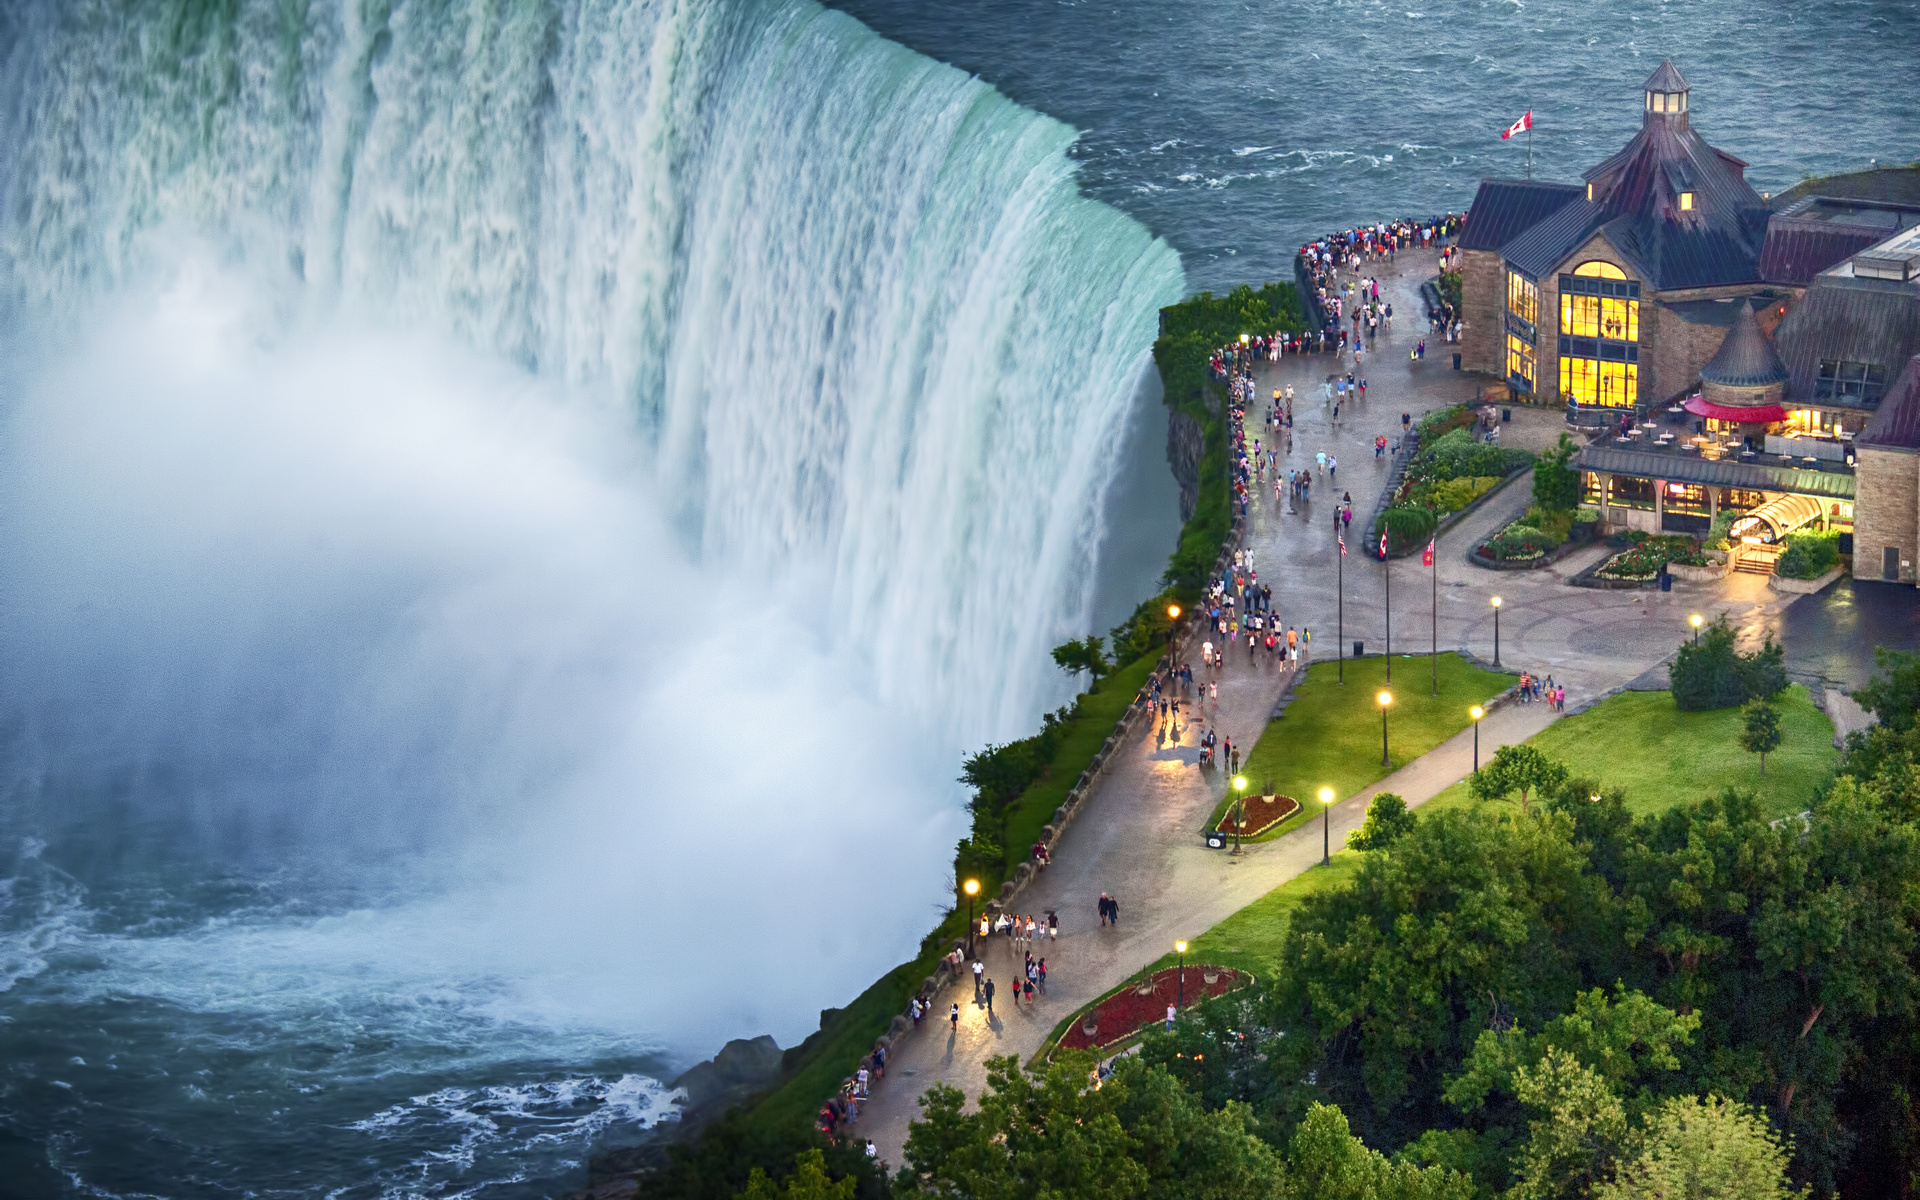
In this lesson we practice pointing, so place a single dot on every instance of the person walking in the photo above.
(989, 997)
(979, 970)
(954, 1016)
(1171, 1011)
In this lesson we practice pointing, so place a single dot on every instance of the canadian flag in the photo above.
(1383, 545)
(1521, 126)
(1426, 560)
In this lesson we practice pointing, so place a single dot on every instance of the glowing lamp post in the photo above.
(1173, 618)
(1180, 952)
(1696, 620)
(972, 888)
(1476, 712)
(1385, 701)
(1496, 631)
(1326, 826)
(1239, 808)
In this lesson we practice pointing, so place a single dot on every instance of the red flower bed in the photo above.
(1260, 815)
(1143, 1003)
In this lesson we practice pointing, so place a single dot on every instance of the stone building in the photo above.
(1741, 356)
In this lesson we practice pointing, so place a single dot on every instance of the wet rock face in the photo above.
(741, 1068)
(1186, 442)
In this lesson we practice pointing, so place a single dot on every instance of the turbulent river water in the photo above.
(510, 514)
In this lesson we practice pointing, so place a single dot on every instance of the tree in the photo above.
(1387, 821)
(809, 1181)
(1709, 673)
(1519, 768)
(1893, 695)
(1702, 1148)
(1579, 1128)
(1326, 1162)
(1556, 486)
(1760, 731)
(1082, 654)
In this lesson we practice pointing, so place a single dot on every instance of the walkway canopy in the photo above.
(1776, 518)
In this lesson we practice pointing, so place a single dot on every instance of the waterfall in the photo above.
(511, 513)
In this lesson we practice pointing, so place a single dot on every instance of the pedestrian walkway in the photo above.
(1138, 836)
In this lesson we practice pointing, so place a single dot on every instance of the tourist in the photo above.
(954, 1016)
(1040, 973)
(979, 968)
(989, 997)
(1053, 927)
(1170, 1015)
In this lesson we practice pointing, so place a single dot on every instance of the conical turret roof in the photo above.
(1667, 78)
(1746, 359)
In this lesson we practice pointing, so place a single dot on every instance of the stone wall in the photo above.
(1886, 510)
(1186, 443)
(1681, 349)
(1483, 297)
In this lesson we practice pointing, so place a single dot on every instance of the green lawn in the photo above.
(1636, 741)
(1330, 733)
(1640, 742)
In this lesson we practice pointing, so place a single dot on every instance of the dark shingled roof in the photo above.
(1745, 358)
(1896, 426)
(1851, 320)
(1716, 242)
(1723, 472)
(1815, 233)
(1546, 245)
(1888, 185)
(1503, 208)
(1667, 78)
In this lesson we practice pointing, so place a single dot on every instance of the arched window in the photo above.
(1599, 336)
(1600, 270)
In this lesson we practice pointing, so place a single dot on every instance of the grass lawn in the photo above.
(1636, 741)
(1330, 733)
(1660, 756)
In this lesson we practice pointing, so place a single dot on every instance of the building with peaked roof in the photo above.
(1742, 356)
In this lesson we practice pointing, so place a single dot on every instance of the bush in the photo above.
(1710, 673)
(1809, 555)
(1442, 421)
(1387, 822)
(1408, 526)
(1722, 526)
(1452, 495)
(1517, 542)
(1556, 486)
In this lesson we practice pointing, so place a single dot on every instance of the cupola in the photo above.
(1667, 95)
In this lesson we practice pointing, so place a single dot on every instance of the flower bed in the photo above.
(1646, 553)
(1144, 1002)
(1262, 814)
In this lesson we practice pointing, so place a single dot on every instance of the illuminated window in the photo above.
(1590, 488)
(1739, 500)
(1599, 270)
(1523, 297)
(1685, 499)
(1607, 384)
(1520, 362)
(1686, 201)
(1589, 193)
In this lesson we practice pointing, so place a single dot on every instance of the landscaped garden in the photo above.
(1808, 555)
(1642, 555)
(1329, 735)
(1553, 519)
(1139, 1003)
(1259, 814)
(1451, 471)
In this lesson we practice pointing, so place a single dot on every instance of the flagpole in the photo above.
(1529, 142)
(1434, 554)
(1386, 569)
(1340, 638)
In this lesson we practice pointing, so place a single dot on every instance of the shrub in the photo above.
(1442, 421)
(1555, 523)
(1809, 555)
(1452, 495)
(1710, 673)
(1556, 486)
(1387, 821)
(1407, 526)
(1722, 526)
(1518, 542)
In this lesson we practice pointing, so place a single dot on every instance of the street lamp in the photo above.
(972, 888)
(1384, 699)
(1239, 808)
(1180, 949)
(1496, 631)
(1173, 616)
(1476, 712)
(1696, 620)
(1326, 826)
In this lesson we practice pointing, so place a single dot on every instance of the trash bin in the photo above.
(1666, 580)
(1216, 839)
(1456, 362)
(1359, 649)
(1506, 415)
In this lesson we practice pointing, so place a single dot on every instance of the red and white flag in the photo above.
(1426, 560)
(1521, 126)
(1343, 545)
(1383, 545)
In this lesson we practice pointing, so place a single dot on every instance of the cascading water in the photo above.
(509, 516)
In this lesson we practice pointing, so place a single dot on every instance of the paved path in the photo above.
(1137, 837)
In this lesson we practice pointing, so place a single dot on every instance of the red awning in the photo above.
(1764, 414)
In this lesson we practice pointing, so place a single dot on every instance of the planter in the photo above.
(1803, 587)
(1527, 564)
(1263, 813)
(1590, 579)
(1706, 574)
(1138, 1005)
